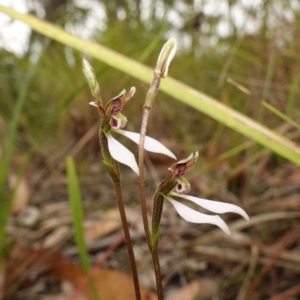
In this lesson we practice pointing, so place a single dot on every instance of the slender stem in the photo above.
(135, 277)
(147, 106)
(142, 176)
(113, 170)
(159, 286)
(148, 103)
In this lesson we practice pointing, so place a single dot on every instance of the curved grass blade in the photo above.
(200, 101)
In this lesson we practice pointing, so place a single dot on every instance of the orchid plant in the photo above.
(112, 120)
(173, 185)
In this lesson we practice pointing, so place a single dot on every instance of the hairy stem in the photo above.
(142, 176)
(159, 286)
(147, 106)
(135, 277)
(148, 103)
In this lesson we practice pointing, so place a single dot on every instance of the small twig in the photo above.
(251, 269)
(289, 238)
(293, 291)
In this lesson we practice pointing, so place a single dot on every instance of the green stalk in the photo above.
(280, 114)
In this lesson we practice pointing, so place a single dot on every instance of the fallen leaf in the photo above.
(110, 284)
(27, 264)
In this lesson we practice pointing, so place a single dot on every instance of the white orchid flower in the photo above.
(176, 172)
(194, 216)
(117, 122)
(125, 156)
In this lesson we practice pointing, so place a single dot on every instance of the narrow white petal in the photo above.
(194, 216)
(121, 153)
(215, 206)
(151, 144)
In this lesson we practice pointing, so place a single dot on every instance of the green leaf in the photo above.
(77, 213)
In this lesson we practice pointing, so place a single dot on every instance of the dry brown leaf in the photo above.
(107, 223)
(110, 284)
(22, 193)
(196, 290)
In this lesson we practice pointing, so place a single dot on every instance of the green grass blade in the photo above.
(200, 101)
(280, 114)
(75, 199)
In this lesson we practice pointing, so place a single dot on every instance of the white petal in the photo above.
(151, 144)
(194, 216)
(121, 153)
(215, 206)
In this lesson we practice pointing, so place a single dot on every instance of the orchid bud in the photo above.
(183, 165)
(115, 106)
(183, 186)
(90, 77)
(118, 121)
(166, 55)
(128, 96)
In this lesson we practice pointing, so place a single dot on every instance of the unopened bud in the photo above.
(166, 55)
(183, 165)
(114, 106)
(90, 77)
(128, 96)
